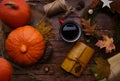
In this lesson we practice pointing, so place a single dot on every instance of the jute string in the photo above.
(55, 7)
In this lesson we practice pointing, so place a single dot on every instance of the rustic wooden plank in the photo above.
(54, 78)
(53, 70)
(104, 21)
(21, 78)
(55, 73)
(61, 49)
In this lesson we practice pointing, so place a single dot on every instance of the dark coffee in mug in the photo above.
(70, 31)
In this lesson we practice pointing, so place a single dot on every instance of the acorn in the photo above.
(80, 5)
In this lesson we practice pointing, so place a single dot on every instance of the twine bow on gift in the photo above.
(78, 68)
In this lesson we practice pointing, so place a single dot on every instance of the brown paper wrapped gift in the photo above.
(77, 59)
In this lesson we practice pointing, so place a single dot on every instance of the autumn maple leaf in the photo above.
(88, 28)
(106, 43)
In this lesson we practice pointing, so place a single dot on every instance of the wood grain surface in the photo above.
(60, 50)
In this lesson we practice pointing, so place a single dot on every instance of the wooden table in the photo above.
(60, 50)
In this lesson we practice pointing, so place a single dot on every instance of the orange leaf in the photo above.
(88, 28)
(106, 43)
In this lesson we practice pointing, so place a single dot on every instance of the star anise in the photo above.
(89, 29)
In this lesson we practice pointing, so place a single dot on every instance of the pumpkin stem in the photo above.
(12, 5)
(23, 48)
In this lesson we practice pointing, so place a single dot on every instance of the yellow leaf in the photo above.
(106, 43)
(46, 30)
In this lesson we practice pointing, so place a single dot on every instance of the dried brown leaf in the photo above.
(115, 6)
(94, 3)
(88, 28)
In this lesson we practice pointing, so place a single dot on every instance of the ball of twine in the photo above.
(55, 7)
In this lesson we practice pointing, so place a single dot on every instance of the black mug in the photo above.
(70, 31)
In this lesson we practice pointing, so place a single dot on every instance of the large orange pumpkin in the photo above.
(25, 45)
(5, 70)
(14, 13)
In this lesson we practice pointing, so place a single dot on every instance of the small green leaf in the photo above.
(101, 69)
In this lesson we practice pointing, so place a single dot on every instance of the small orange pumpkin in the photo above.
(14, 13)
(5, 70)
(25, 45)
